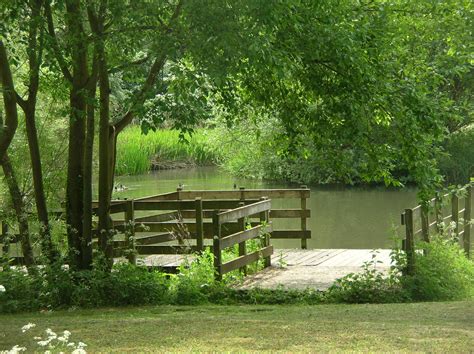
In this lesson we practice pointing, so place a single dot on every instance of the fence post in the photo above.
(438, 213)
(409, 242)
(467, 222)
(199, 225)
(425, 223)
(455, 213)
(130, 231)
(242, 247)
(304, 244)
(216, 228)
(264, 218)
(242, 193)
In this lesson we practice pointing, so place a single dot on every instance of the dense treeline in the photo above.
(364, 91)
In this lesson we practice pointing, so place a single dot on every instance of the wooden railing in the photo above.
(183, 221)
(450, 212)
(261, 231)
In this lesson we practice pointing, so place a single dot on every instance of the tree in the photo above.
(7, 132)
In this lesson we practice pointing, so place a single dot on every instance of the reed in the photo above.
(138, 153)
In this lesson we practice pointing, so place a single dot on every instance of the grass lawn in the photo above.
(440, 327)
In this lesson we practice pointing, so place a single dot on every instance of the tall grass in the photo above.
(137, 153)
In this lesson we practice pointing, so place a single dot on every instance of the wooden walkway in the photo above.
(299, 269)
(317, 269)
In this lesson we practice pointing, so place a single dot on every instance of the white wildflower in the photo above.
(51, 334)
(27, 327)
(81, 345)
(66, 334)
(43, 343)
(72, 344)
(2, 289)
(15, 350)
(79, 351)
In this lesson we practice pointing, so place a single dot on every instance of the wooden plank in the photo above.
(191, 214)
(164, 226)
(425, 228)
(242, 246)
(467, 222)
(409, 242)
(246, 260)
(455, 213)
(130, 231)
(264, 220)
(164, 196)
(235, 214)
(173, 215)
(117, 207)
(163, 204)
(157, 238)
(303, 218)
(187, 204)
(291, 234)
(199, 224)
(289, 213)
(245, 235)
(216, 230)
(247, 194)
(148, 250)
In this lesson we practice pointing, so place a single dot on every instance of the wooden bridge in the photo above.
(237, 226)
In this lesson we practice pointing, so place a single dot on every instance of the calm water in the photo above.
(341, 217)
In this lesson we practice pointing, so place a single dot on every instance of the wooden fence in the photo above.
(450, 212)
(261, 231)
(183, 222)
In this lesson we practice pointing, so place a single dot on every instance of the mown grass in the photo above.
(431, 327)
(136, 151)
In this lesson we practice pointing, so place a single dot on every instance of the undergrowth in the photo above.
(442, 273)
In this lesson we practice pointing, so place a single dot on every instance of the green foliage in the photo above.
(56, 287)
(442, 272)
(136, 151)
(369, 286)
(457, 164)
(186, 287)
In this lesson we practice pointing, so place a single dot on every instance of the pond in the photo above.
(341, 217)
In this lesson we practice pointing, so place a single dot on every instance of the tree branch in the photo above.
(56, 48)
(155, 69)
(7, 128)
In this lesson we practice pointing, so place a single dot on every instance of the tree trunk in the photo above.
(47, 246)
(87, 196)
(105, 237)
(29, 108)
(78, 107)
(20, 210)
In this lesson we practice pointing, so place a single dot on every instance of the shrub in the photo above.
(370, 285)
(442, 272)
(187, 287)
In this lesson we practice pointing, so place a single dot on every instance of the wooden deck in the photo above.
(318, 269)
(299, 269)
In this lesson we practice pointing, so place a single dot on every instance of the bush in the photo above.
(370, 285)
(57, 287)
(442, 273)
